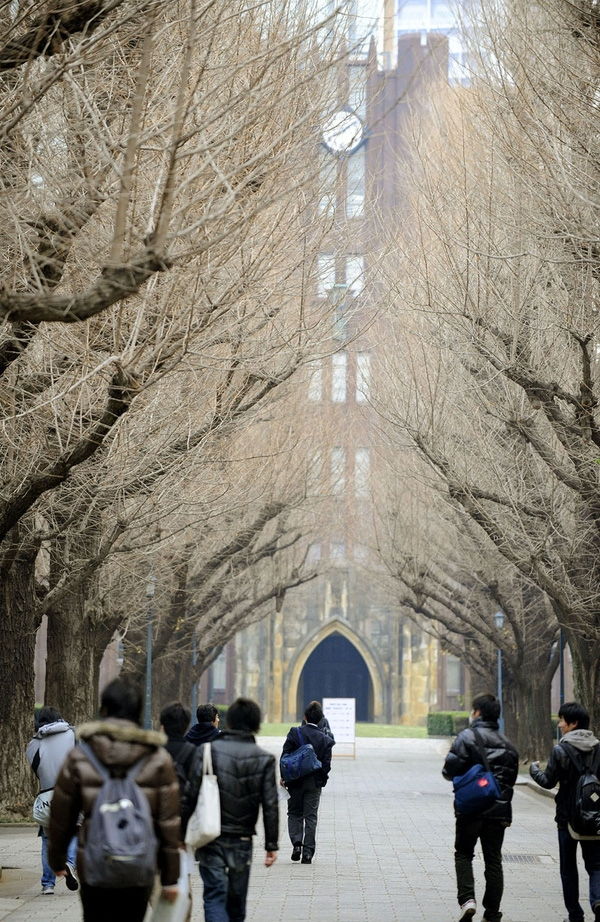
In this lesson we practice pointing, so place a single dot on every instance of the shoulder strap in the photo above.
(35, 763)
(481, 749)
(595, 766)
(300, 736)
(104, 771)
(93, 758)
(207, 766)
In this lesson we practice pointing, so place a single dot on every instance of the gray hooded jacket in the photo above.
(48, 749)
(560, 770)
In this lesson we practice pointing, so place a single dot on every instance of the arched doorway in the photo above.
(335, 669)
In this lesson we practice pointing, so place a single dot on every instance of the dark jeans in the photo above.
(567, 851)
(225, 871)
(125, 905)
(491, 835)
(303, 809)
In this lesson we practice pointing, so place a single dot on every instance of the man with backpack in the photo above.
(574, 765)
(483, 766)
(122, 780)
(54, 738)
(305, 791)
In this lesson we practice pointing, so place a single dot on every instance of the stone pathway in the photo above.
(384, 852)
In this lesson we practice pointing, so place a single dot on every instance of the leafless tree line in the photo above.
(158, 235)
(489, 366)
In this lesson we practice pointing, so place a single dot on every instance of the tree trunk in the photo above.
(75, 648)
(533, 725)
(17, 699)
(585, 651)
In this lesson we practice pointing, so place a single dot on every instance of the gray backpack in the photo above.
(120, 847)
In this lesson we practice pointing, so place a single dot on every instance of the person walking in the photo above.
(207, 727)
(174, 721)
(116, 744)
(577, 750)
(478, 743)
(53, 740)
(305, 793)
(246, 779)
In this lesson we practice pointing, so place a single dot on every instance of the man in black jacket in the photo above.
(488, 827)
(305, 793)
(573, 724)
(246, 778)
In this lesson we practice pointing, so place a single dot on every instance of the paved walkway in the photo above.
(384, 852)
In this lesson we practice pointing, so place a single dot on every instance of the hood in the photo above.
(202, 733)
(120, 743)
(584, 740)
(58, 726)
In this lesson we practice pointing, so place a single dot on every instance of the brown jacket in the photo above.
(118, 744)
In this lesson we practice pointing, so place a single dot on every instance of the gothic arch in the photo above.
(299, 661)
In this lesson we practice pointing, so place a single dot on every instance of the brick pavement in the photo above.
(384, 852)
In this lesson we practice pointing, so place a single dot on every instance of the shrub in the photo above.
(446, 723)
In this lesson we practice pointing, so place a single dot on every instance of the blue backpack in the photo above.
(477, 790)
(302, 761)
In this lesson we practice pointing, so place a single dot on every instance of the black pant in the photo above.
(569, 876)
(303, 808)
(126, 905)
(491, 835)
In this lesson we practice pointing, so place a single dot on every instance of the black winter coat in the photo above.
(202, 733)
(560, 770)
(321, 743)
(246, 778)
(503, 760)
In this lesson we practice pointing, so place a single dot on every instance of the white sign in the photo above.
(341, 714)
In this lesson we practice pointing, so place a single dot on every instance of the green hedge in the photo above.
(446, 723)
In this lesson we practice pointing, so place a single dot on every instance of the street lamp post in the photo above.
(194, 679)
(150, 588)
(499, 621)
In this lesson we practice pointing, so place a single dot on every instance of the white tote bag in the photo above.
(205, 822)
(181, 909)
(41, 807)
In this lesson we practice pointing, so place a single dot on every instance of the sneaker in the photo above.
(71, 880)
(467, 911)
(306, 859)
(47, 891)
(296, 853)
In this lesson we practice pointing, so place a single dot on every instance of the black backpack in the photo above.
(584, 818)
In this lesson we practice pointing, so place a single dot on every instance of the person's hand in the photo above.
(169, 894)
(535, 766)
(61, 873)
(270, 858)
(282, 783)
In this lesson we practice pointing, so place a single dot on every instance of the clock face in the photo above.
(343, 132)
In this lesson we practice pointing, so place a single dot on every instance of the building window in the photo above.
(338, 470)
(355, 180)
(453, 675)
(314, 553)
(361, 472)
(363, 377)
(357, 90)
(327, 185)
(314, 474)
(338, 550)
(355, 267)
(325, 274)
(219, 672)
(315, 381)
(338, 377)
(361, 553)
